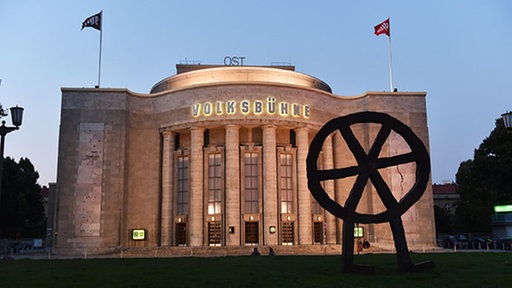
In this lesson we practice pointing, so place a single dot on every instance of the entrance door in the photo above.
(214, 233)
(181, 234)
(287, 233)
(251, 232)
(317, 232)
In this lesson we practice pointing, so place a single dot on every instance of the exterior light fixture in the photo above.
(507, 119)
(17, 117)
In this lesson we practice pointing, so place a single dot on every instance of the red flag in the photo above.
(383, 28)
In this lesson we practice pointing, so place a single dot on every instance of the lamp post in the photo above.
(507, 119)
(16, 117)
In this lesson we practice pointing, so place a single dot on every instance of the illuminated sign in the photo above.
(502, 208)
(246, 107)
(139, 234)
(358, 232)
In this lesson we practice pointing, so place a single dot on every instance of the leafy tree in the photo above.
(443, 220)
(485, 181)
(21, 207)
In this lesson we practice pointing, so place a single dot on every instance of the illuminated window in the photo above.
(251, 180)
(182, 193)
(286, 182)
(214, 183)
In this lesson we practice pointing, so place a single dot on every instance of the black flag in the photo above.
(94, 21)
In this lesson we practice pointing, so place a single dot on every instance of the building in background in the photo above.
(446, 197)
(216, 156)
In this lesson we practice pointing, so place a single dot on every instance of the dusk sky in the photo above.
(459, 52)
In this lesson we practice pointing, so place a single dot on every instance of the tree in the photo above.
(485, 181)
(21, 207)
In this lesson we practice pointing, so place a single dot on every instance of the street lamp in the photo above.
(16, 117)
(507, 119)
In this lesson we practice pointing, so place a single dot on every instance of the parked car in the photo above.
(481, 243)
(451, 242)
(504, 243)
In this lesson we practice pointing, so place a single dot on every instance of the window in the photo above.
(315, 207)
(182, 193)
(214, 184)
(286, 182)
(251, 180)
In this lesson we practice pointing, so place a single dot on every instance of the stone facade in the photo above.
(217, 157)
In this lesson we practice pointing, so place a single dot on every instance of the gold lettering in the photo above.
(230, 107)
(256, 107)
(196, 109)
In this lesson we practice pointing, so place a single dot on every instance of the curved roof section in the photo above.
(239, 74)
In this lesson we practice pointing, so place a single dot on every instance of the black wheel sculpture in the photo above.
(368, 165)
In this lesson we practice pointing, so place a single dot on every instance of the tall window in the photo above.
(214, 184)
(182, 193)
(251, 180)
(315, 207)
(286, 182)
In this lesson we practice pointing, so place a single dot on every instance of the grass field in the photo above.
(451, 270)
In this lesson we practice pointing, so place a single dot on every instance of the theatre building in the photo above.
(214, 159)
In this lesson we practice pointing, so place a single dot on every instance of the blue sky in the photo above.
(458, 51)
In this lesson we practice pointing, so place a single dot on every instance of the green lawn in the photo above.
(451, 270)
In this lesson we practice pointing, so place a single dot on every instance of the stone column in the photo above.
(304, 196)
(195, 219)
(340, 194)
(167, 188)
(232, 184)
(329, 219)
(270, 204)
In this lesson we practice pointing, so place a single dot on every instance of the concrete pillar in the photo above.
(329, 219)
(233, 184)
(270, 212)
(167, 188)
(340, 194)
(195, 219)
(304, 196)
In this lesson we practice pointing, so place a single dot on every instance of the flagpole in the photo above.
(101, 38)
(390, 66)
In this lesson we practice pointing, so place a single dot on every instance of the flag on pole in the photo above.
(94, 21)
(383, 28)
